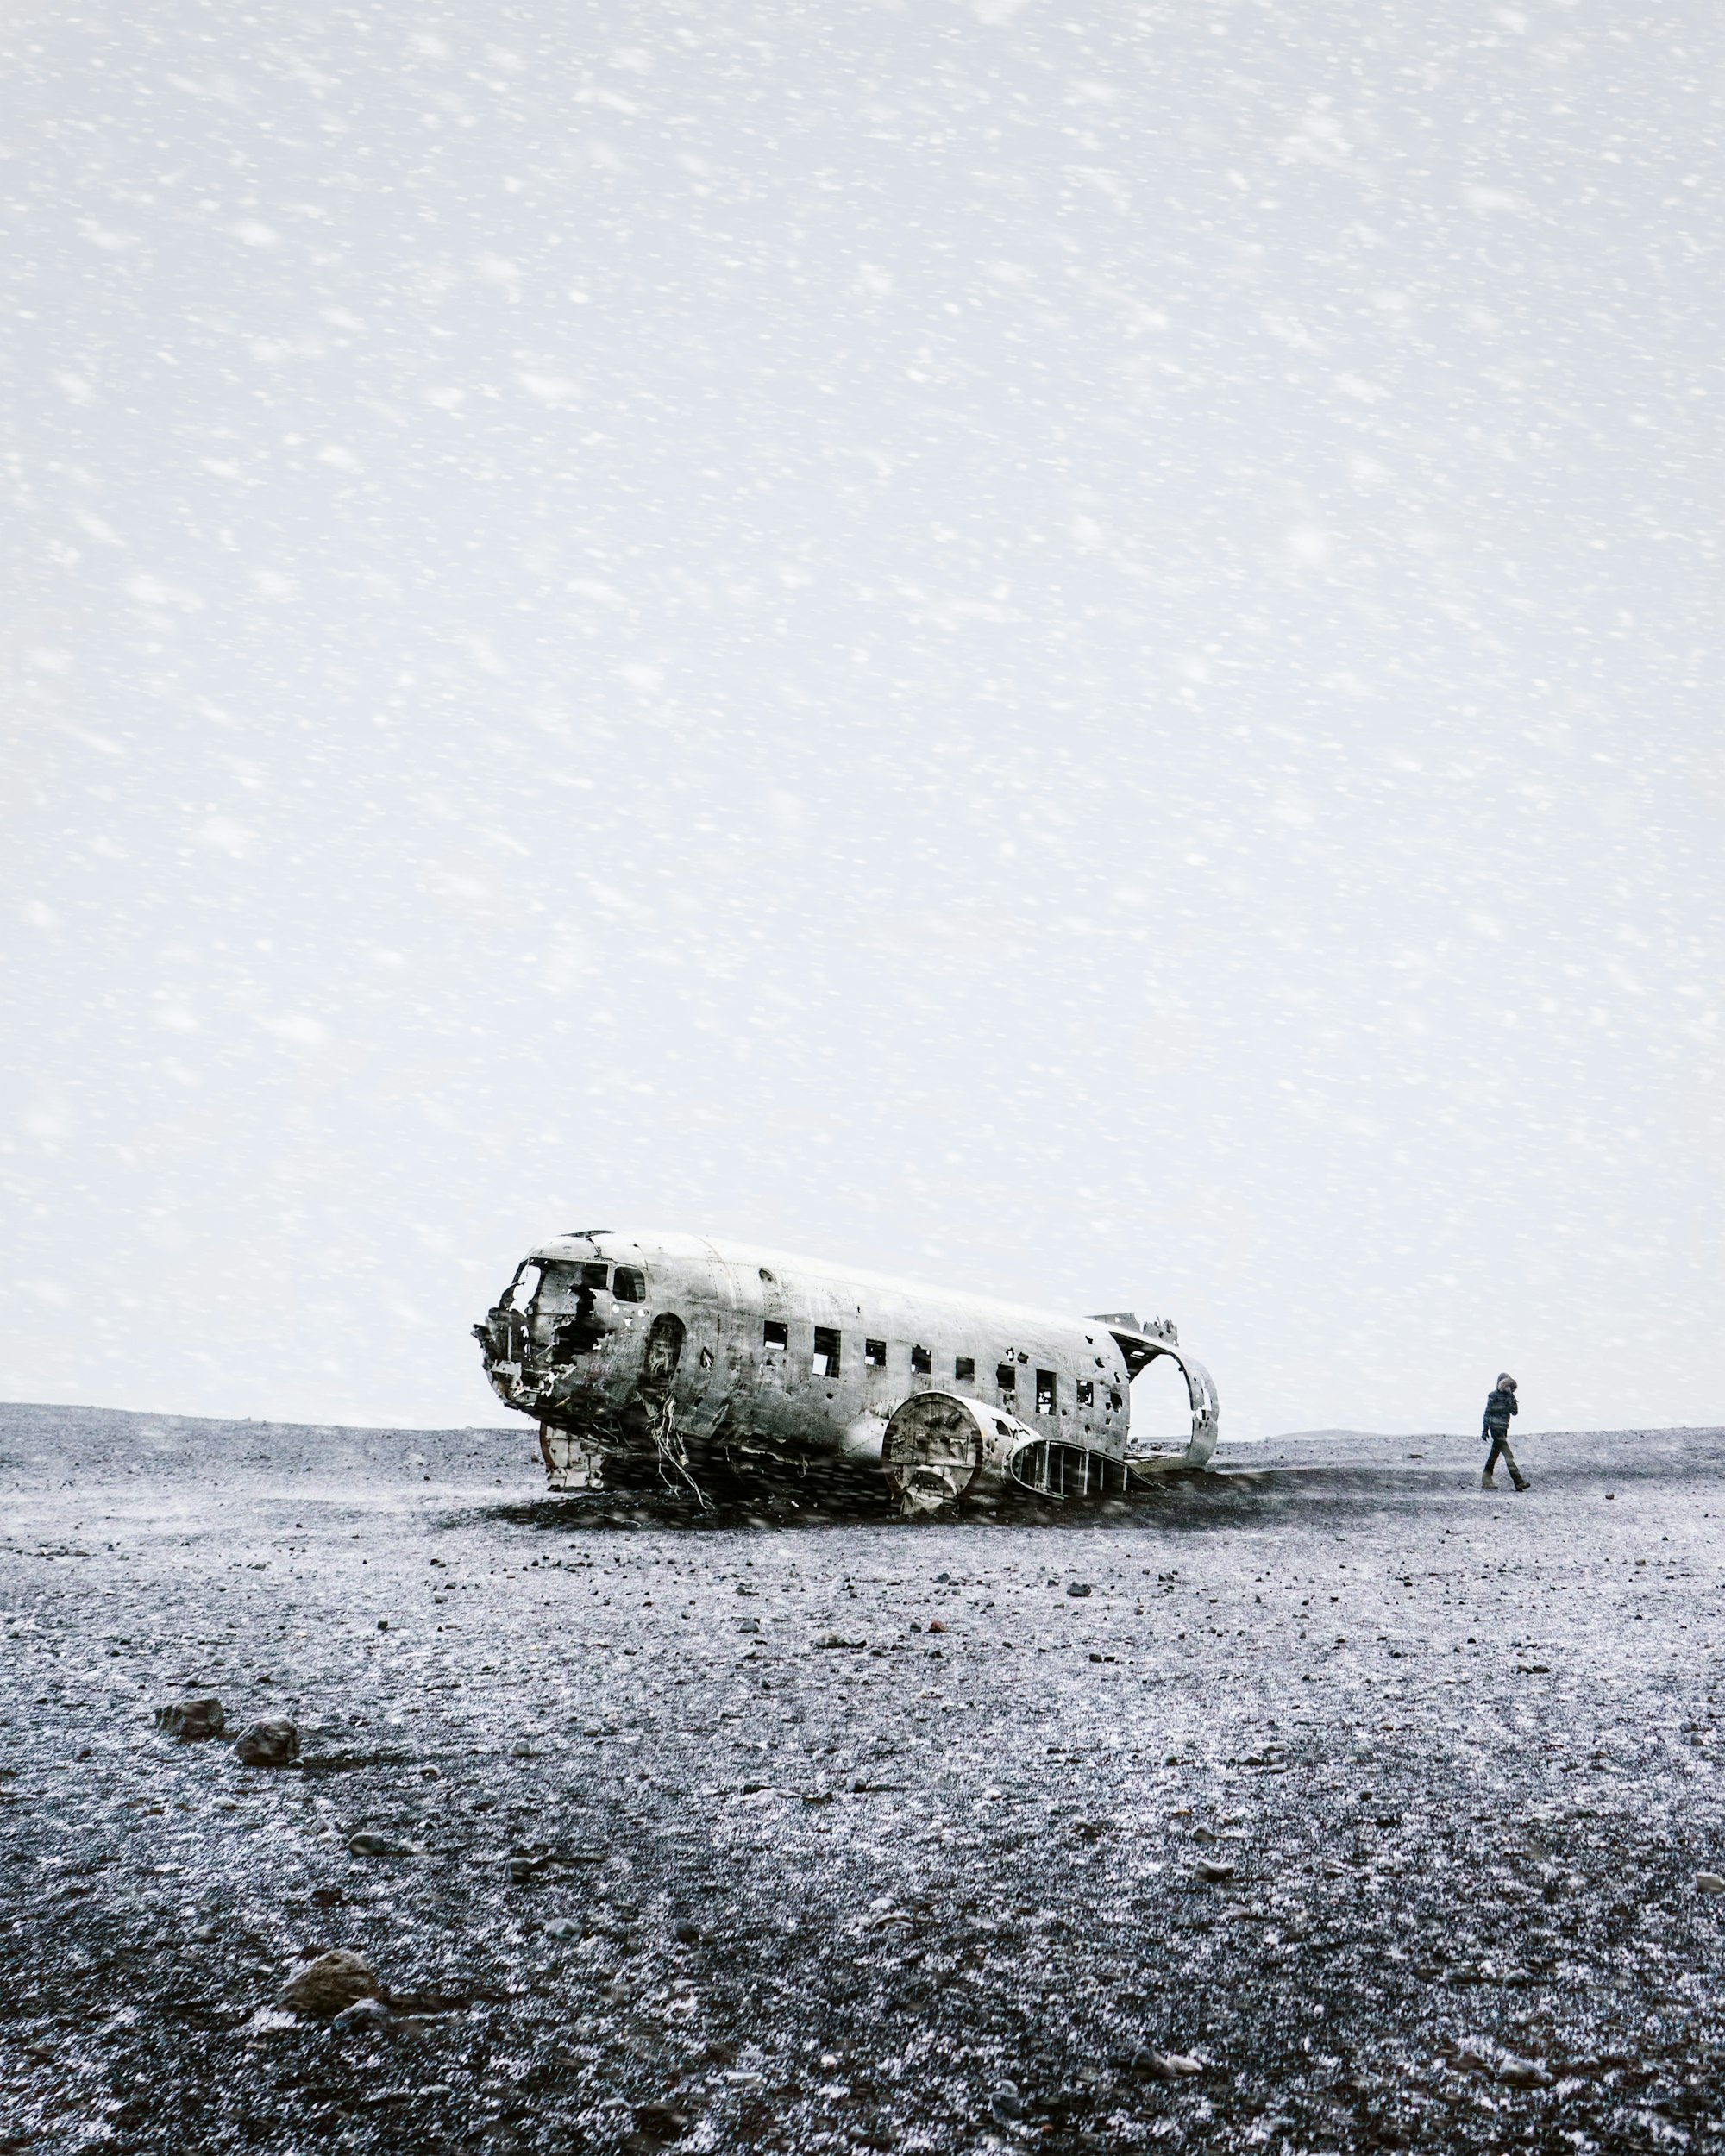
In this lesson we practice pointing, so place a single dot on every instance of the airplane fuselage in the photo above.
(638, 1349)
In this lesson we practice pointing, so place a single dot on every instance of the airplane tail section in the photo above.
(1141, 1343)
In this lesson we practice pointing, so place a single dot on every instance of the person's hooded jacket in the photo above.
(1499, 1407)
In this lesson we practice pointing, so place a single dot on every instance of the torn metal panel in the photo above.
(668, 1359)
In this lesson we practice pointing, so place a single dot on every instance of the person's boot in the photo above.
(1487, 1481)
(1522, 1483)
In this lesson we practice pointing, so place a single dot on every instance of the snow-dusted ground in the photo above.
(935, 1888)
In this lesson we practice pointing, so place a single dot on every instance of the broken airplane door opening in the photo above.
(651, 1359)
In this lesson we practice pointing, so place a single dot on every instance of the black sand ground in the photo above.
(936, 1890)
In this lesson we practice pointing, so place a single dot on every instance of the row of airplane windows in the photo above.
(776, 1333)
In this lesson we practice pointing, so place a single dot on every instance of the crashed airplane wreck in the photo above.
(668, 1359)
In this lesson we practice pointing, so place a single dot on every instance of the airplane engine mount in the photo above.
(939, 1445)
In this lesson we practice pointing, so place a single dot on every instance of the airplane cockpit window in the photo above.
(566, 1284)
(965, 1369)
(1006, 1377)
(523, 1288)
(776, 1333)
(922, 1362)
(826, 1352)
(630, 1284)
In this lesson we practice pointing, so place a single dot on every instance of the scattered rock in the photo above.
(686, 1934)
(935, 1624)
(1078, 1589)
(1006, 2104)
(1524, 2073)
(1213, 1869)
(524, 1871)
(329, 1985)
(561, 1927)
(1709, 1882)
(365, 2017)
(523, 1748)
(1206, 1834)
(274, 1743)
(366, 1844)
(1166, 2065)
(191, 1720)
(661, 2122)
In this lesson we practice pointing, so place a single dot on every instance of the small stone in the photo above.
(1078, 1589)
(1166, 2065)
(274, 1743)
(329, 1984)
(227, 1804)
(1215, 1871)
(1709, 1882)
(366, 1844)
(1524, 2073)
(935, 1624)
(191, 1720)
(686, 1934)
(661, 2122)
(1206, 1834)
(561, 1927)
(523, 1749)
(1006, 2104)
(365, 2017)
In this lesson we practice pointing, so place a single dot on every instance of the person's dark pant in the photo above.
(1500, 1450)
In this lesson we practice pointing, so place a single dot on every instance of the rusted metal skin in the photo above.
(658, 1356)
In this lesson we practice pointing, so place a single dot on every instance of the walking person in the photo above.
(1499, 1407)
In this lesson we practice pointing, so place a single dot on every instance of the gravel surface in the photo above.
(1349, 1807)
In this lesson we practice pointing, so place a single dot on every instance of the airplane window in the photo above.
(1006, 1378)
(1045, 1392)
(594, 1276)
(631, 1284)
(523, 1288)
(922, 1362)
(875, 1354)
(1087, 1392)
(776, 1333)
(826, 1352)
(964, 1368)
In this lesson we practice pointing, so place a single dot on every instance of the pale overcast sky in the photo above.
(1071, 649)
